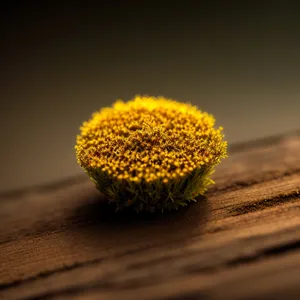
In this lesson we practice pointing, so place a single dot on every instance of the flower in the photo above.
(150, 153)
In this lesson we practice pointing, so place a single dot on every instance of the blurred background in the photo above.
(61, 61)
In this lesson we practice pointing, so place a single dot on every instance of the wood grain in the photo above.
(242, 241)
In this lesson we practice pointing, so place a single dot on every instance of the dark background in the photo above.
(62, 61)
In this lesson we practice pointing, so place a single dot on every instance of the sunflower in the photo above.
(150, 153)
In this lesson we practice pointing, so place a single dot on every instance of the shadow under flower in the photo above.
(102, 227)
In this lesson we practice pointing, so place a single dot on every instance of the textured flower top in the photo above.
(148, 142)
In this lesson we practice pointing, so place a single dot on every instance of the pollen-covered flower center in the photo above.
(161, 140)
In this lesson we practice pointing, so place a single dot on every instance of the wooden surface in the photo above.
(240, 242)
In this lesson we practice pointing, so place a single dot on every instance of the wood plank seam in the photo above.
(265, 203)
(237, 185)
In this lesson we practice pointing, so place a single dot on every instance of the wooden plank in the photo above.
(64, 240)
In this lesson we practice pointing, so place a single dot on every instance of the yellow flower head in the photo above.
(150, 152)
